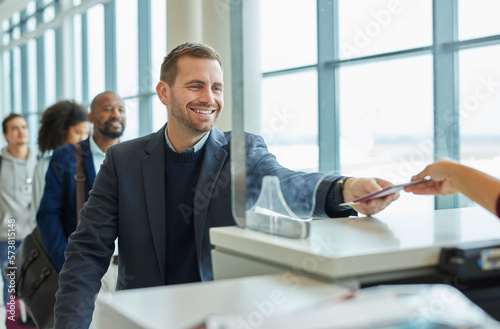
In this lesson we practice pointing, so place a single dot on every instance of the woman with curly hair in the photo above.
(62, 123)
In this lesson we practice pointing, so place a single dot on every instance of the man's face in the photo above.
(109, 116)
(195, 101)
(17, 133)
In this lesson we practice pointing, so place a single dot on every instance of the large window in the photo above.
(387, 131)
(382, 87)
(110, 47)
(368, 27)
(289, 118)
(96, 52)
(478, 18)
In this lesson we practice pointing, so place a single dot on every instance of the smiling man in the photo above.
(160, 194)
(194, 97)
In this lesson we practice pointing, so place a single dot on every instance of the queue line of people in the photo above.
(25, 198)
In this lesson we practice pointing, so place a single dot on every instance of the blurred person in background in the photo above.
(65, 122)
(16, 175)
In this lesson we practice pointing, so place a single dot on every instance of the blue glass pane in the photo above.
(289, 119)
(127, 48)
(386, 122)
(95, 16)
(288, 32)
(370, 27)
(478, 18)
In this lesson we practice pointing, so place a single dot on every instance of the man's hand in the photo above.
(358, 187)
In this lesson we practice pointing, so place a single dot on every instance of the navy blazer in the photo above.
(128, 201)
(56, 216)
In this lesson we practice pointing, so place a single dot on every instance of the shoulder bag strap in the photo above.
(79, 180)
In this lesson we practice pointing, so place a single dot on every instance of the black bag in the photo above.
(36, 279)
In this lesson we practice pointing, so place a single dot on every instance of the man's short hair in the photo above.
(8, 118)
(93, 104)
(198, 50)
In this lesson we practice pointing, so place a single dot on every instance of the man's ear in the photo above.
(91, 117)
(162, 90)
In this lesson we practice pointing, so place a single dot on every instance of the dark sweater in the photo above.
(181, 175)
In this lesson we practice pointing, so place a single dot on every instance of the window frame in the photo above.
(444, 49)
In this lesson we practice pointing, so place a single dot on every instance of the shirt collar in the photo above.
(94, 148)
(198, 146)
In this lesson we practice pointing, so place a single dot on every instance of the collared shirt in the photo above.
(193, 149)
(97, 154)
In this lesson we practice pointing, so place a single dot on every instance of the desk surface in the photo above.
(187, 305)
(347, 247)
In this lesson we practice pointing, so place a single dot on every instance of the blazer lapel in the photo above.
(211, 167)
(153, 173)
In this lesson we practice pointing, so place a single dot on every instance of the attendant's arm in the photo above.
(51, 214)
(449, 177)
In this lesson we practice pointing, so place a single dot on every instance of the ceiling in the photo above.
(8, 7)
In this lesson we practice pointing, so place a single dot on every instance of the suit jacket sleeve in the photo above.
(305, 193)
(89, 251)
(53, 206)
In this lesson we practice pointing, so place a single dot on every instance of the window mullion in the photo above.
(328, 109)
(110, 45)
(144, 67)
(446, 114)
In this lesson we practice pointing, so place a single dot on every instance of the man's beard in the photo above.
(109, 133)
(180, 113)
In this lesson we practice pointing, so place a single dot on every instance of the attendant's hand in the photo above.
(440, 183)
(358, 187)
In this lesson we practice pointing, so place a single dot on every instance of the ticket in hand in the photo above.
(382, 193)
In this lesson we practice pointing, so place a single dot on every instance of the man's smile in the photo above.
(203, 111)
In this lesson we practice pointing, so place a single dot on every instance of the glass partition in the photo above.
(267, 194)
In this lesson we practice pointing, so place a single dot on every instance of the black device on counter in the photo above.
(473, 260)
